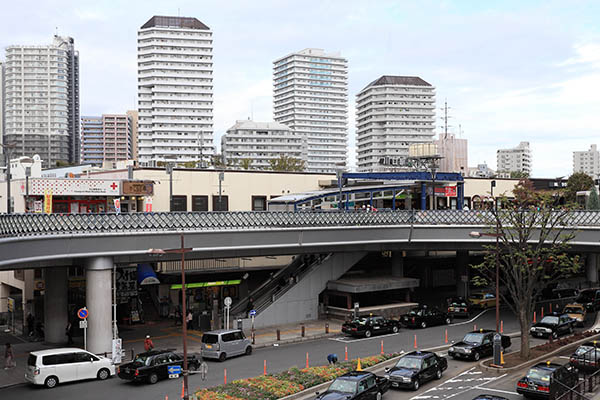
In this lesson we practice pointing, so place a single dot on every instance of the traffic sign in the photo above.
(174, 369)
(227, 301)
(252, 313)
(203, 370)
(83, 324)
(82, 313)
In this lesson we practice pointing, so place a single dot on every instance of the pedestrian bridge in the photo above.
(40, 240)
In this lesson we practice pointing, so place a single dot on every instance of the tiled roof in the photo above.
(399, 80)
(174, 22)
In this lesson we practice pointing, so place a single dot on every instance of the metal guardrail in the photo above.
(17, 225)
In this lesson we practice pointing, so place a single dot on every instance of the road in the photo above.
(278, 358)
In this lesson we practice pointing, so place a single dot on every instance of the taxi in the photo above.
(576, 312)
(483, 300)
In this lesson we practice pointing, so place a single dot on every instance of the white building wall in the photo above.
(311, 97)
(175, 90)
(392, 113)
(587, 161)
(515, 159)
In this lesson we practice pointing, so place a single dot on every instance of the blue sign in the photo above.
(82, 313)
(174, 369)
(252, 313)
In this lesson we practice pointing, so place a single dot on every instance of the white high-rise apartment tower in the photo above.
(310, 90)
(517, 159)
(175, 90)
(587, 161)
(42, 101)
(392, 113)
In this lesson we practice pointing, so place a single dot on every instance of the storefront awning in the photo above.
(207, 284)
(146, 275)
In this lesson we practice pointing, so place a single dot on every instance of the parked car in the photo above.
(153, 366)
(224, 343)
(416, 368)
(565, 293)
(356, 385)
(540, 377)
(483, 300)
(367, 326)
(423, 317)
(553, 326)
(477, 344)
(590, 298)
(586, 357)
(458, 307)
(576, 312)
(54, 366)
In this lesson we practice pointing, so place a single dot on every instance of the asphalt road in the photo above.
(278, 358)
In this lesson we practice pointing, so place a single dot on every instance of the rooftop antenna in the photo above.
(445, 118)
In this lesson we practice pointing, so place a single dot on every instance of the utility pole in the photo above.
(7, 148)
(445, 118)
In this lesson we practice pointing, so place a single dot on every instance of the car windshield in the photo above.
(409, 362)
(360, 321)
(473, 338)
(539, 374)
(458, 303)
(585, 297)
(210, 338)
(31, 360)
(142, 358)
(477, 296)
(583, 350)
(549, 320)
(573, 310)
(416, 311)
(343, 385)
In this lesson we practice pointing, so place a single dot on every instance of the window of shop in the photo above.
(199, 203)
(179, 203)
(223, 206)
(259, 203)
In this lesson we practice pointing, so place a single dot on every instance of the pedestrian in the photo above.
(9, 358)
(69, 332)
(190, 319)
(332, 359)
(30, 324)
(148, 345)
(250, 305)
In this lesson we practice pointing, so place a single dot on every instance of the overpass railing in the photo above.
(16, 225)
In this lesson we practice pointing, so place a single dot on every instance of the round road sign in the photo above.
(82, 313)
(227, 301)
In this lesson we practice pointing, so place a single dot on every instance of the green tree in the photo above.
(533, 244)
(518, 174)
(593, 202)
(287, 164)
(577, 182)
(246, 163)
(217, 161)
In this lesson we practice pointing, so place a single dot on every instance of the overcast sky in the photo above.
(511, 70)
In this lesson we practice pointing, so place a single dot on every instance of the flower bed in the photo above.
(294, 380)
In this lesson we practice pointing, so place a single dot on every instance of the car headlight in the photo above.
(467, 351)
(451, 348)
(387, 376)
(532, 329)
(548, 330)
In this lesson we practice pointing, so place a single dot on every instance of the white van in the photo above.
(51, 367)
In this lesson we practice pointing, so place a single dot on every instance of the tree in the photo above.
(593, 202)
(287, 164)
(532, 253)
(246, 163)
(217, 161)
(518, 174)
(577, 182)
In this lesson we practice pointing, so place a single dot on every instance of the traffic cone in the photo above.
(446, 337)
(501, 358)
(501, 326)
(183, 390)
(358, 366)
(542, 313)
(225, 376)
(306, 359)
(265, 368)
(382, 347)
(534, 317)
(415, 341)
(346, 354)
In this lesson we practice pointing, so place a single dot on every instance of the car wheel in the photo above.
(395, 329)
(423, 325)
(367, 333)
(554, 335)
(379, 396)
(476, 356)
(222, 357)
(416, 384)
(438, 374)
(51, 382)
(448, 321)
(103, 374)
(152, 379)
(248, 350)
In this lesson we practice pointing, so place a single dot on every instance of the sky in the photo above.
(510, 71)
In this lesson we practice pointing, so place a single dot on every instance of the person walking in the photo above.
(30, 324)
(9, 358)
(69, 332)
(148, 345)
(250, 305)
(190, 320)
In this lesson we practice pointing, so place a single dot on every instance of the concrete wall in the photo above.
(301, 302)
(7, 279)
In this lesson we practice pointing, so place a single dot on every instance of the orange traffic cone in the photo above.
(382, 347)
(346, 354)
(183, 390)
(415, 341)
(501, 326)
(542, 312)
(358, 366)
(534, 317)
(265, 368)
(306, 359)
(446, 337)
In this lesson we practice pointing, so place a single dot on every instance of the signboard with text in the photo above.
(48, 201)
(136, 188)
(75, 187)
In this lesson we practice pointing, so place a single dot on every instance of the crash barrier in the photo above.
(589, 378)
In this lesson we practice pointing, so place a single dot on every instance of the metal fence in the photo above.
(587, 364)
(16, 225)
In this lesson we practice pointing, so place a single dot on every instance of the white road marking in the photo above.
(568, 358)
(350, 339)
(472, 319)
(499, 391)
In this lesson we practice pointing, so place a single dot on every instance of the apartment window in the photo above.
(259, 203)
(199, 203)
(179, 203)
(223, 205)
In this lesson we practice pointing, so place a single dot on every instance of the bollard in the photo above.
(542, 313)
(415, 341)
(307, 359)
(534, 321)
(265, 368)
(278, 335)
(303, 330)
(225, 376)
(446, 337)
(501, 326)
(326, 328)
(382, 347)
(346, 354)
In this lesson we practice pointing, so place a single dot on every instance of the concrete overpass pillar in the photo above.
(55, 304)
(98, 298)
(462, 273)
(591, 268)
(397, 264)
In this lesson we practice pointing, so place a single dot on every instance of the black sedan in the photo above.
(458, 307)
(356, 385)
(586, 357)
(153, 365)
(477, 344)
(540, 377)
(553, 326)
(416, 368)
(422, 317)
(367, 326)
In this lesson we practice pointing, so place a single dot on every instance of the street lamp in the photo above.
(341, 168)
(182, 250)
(27, 163)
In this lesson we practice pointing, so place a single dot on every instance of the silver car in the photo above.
(225, 343)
